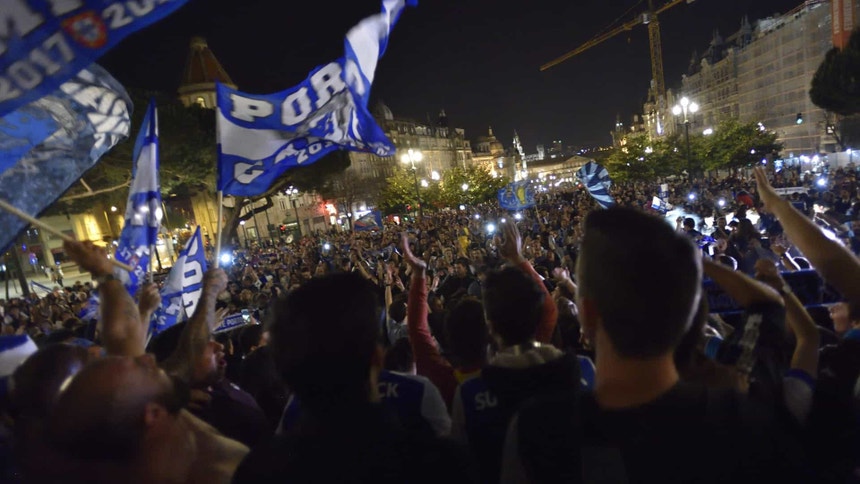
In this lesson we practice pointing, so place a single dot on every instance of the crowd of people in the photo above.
(563, 343)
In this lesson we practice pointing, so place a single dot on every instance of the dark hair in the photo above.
(323, 351)
(397, 310)
(689, 223)
(250, 337)
(643, 277)
(163, 345)
(466, 332)
(399, 356)
(463, 262)
(513, 303)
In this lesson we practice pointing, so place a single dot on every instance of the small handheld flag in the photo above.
(184, 285)
(368, 222)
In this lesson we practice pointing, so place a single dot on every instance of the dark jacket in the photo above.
(485, 404)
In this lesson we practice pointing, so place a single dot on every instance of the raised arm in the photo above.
(148, 301)
(121, 330)
(830, 258)
(510, 248)
(805, 356)
(740, 287)
(429, 361)
(195, 336)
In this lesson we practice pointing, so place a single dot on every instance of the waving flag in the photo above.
(369, 222)
(597, 182)
(44, 43)
(143, 211)
(261, 136)
(184, 285)
(48, 144)
(517, 196)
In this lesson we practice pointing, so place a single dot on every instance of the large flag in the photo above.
(44, 43)
(184, 285)
(48, 144)
(261, 136)
(597, 182)
(517, 196)
(143, 211)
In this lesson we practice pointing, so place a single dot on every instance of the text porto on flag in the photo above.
(261, 136)
(43, 43)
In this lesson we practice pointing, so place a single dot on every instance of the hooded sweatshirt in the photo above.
(483, 406)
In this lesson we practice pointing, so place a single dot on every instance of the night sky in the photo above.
(477, 59)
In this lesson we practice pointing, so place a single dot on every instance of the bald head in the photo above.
(101, 412)
(37, 382)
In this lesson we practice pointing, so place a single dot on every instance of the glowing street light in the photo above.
(464, 186)
(708, 131)
(414, 156)
(686, 107)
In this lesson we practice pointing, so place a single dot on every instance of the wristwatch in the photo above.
(105, 278)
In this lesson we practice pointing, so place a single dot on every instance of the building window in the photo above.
(200, 101)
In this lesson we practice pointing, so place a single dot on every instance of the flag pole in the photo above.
(218, 229)
(51, 230)
(151, 263)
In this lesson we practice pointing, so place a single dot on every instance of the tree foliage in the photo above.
(732, 145)
(836, 83)
(399, 191)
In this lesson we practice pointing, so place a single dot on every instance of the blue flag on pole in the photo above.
(48, 144)
(143, 211)
(597, 182)
(184, 285)
(44, 43)
(261, 136)
(517, 196)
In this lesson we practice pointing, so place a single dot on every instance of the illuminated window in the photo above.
(200, 101)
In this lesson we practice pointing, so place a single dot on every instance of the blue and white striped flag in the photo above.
(143, 211)
(44, 43)
(184, 285)
(597, 182)
(261, 136)
(48, 144)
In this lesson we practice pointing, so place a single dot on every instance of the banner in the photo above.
(143, 211)
(230, 323)
(597, 182)
(184, 285)
(261, 136)
(790, 190)
(44, 43)
(517, 196)
(369, 222)
(807, 285)
(48, 144)
(660, 205)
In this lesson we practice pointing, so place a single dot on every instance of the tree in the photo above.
(836, 83)
(633, 161)
(736, 145)
(480, 186)
(399, 192)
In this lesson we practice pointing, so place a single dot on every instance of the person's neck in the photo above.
(626, 382)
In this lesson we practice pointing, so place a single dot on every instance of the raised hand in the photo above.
(215, 280)
(419, 267)
(765, 190)
(91, 258)
(148, 298)
(511, 243)
(560, 274)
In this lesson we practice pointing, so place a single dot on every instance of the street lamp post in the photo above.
(686, 107)
(411, 157)
(245, 232)
(293, 193)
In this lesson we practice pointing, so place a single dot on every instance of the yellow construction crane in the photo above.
(650, 18)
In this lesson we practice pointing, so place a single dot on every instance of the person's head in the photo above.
(639, 283)
(466, 333)
(397, 310)
(399, 357)
(111, 407)
(208, 368)
(512, 303)
(461, 267)
(845, 317)
(689, 224)
(325, 351)
(721, 223)
(250, 338)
